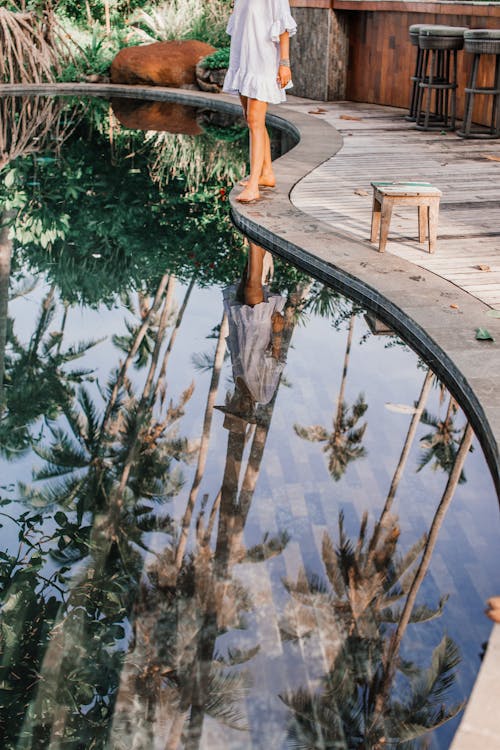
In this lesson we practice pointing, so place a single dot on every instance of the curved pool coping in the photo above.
(414, 302)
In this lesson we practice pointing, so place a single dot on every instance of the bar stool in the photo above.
(482, 42)
(439, 74)
(414, 30)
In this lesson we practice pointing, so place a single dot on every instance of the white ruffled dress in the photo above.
(250, 342)
(255, 27)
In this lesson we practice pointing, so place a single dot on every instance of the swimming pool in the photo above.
(191, 557)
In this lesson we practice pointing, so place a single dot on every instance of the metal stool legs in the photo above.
(440, 77)
(415, 89)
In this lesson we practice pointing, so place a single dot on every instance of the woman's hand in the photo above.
(284, 75)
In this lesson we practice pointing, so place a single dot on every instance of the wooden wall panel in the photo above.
(381, 58)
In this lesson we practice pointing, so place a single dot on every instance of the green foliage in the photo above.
(218, 59)
(183, 19)
(83, 217)
(93, 55)
(93, 12)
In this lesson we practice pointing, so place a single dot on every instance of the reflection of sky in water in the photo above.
(294, 494)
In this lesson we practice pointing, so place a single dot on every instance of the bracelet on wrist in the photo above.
(285, 63)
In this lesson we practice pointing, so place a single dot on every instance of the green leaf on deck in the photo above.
(493, 313)
(482, 334)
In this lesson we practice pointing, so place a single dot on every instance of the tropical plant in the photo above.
(218, 59)
(92, 53)
(32, 46)
(183, 19)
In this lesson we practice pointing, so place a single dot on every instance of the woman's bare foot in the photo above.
(248, 195)
(265, 180)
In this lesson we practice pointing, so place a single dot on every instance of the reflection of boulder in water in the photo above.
(160, 64)
(169, 117)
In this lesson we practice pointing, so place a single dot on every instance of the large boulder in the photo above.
(160, 64)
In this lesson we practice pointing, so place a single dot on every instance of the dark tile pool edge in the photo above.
(415, 302)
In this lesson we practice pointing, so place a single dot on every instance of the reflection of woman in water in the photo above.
(254, 340)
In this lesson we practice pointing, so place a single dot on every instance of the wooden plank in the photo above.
(409, 6)
(381, 145)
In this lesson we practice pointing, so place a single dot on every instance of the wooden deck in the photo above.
(380, 145)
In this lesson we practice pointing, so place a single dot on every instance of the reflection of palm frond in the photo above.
(59, 493)
(225, 690)
(203, 361)
(124, 344)
(327, 303)
(421, 613)
(269, 547)
(237, 656)
(343, 444)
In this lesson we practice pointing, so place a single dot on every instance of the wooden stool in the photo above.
(421, 194)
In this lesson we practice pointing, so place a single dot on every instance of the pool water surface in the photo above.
(224, 525)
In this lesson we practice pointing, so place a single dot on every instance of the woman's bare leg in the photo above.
(266, 177)
(244, 104)
(256, 121)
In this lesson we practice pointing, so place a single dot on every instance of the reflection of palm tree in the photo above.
(204, 442)
(352, 610)
(343, 443)
(5, 260)
(112, 468)
(39, 382)
(449, 492)
(398, 473)
(365, 580)
(192, 598)
(441, 445)
(26, 126)
(343, 712)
